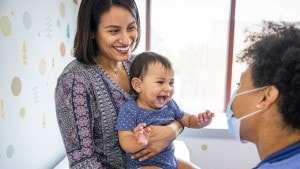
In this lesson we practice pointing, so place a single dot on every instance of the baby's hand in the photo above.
(205, 118)
(142, 134)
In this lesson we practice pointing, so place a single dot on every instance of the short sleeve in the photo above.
(178, 113)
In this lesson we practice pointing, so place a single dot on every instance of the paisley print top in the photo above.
(87, 103)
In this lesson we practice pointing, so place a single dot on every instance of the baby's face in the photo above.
(157, 87)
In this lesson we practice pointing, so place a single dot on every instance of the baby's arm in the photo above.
(197, 121)
(137, 140)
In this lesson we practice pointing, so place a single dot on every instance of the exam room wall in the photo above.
(215, 148)
(35, 45)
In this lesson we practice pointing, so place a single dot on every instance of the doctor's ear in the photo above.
(271, 94)
(136, 84)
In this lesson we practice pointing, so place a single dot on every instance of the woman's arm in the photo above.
(161, 137)
(74, 120)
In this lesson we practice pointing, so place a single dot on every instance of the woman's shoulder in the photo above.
(74, 71)
(75, 66)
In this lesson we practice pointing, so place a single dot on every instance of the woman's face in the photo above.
(117, 34)
(247, 103)
(241, 104)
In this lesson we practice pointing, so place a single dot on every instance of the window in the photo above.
(141, 4)
(249, 14)
(194, 35)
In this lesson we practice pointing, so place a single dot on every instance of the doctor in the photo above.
(265, 109)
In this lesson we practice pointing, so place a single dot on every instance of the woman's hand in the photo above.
(161, 137)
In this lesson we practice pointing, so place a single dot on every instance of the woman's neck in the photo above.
(278, 140)
(109, 65)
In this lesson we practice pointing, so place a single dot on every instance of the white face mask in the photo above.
(235, 123)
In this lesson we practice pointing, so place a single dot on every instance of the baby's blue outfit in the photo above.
(288, 158)
(130, 115)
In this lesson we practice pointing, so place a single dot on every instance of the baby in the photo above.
(152, 80)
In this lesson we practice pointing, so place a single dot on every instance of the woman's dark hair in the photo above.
(89, 15)
(140, 64)
(274, 58)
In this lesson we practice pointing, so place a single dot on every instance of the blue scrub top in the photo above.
(288, 158)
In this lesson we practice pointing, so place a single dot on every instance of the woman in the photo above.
(91, 88)
(265, 109)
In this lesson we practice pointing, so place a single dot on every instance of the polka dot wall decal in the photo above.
(27, 20)
(5, 25)
(10, 151)
(62, 49)
(22, 112)
(204, 147)
(2, 108)
(16, 86)
(62, 10)
(42, 66)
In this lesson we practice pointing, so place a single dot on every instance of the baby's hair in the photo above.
(140, 64)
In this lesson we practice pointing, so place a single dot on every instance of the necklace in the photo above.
(115, 71)
(105, 68)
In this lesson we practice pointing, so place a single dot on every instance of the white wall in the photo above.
(36, 37)
(214, 148)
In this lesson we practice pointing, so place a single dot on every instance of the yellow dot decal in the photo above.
(204, 147)
(22, 112)
(5, 25)
(2, 108)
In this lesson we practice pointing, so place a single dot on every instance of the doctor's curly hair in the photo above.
(273, 56)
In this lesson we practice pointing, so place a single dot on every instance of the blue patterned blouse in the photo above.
(87, 103)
